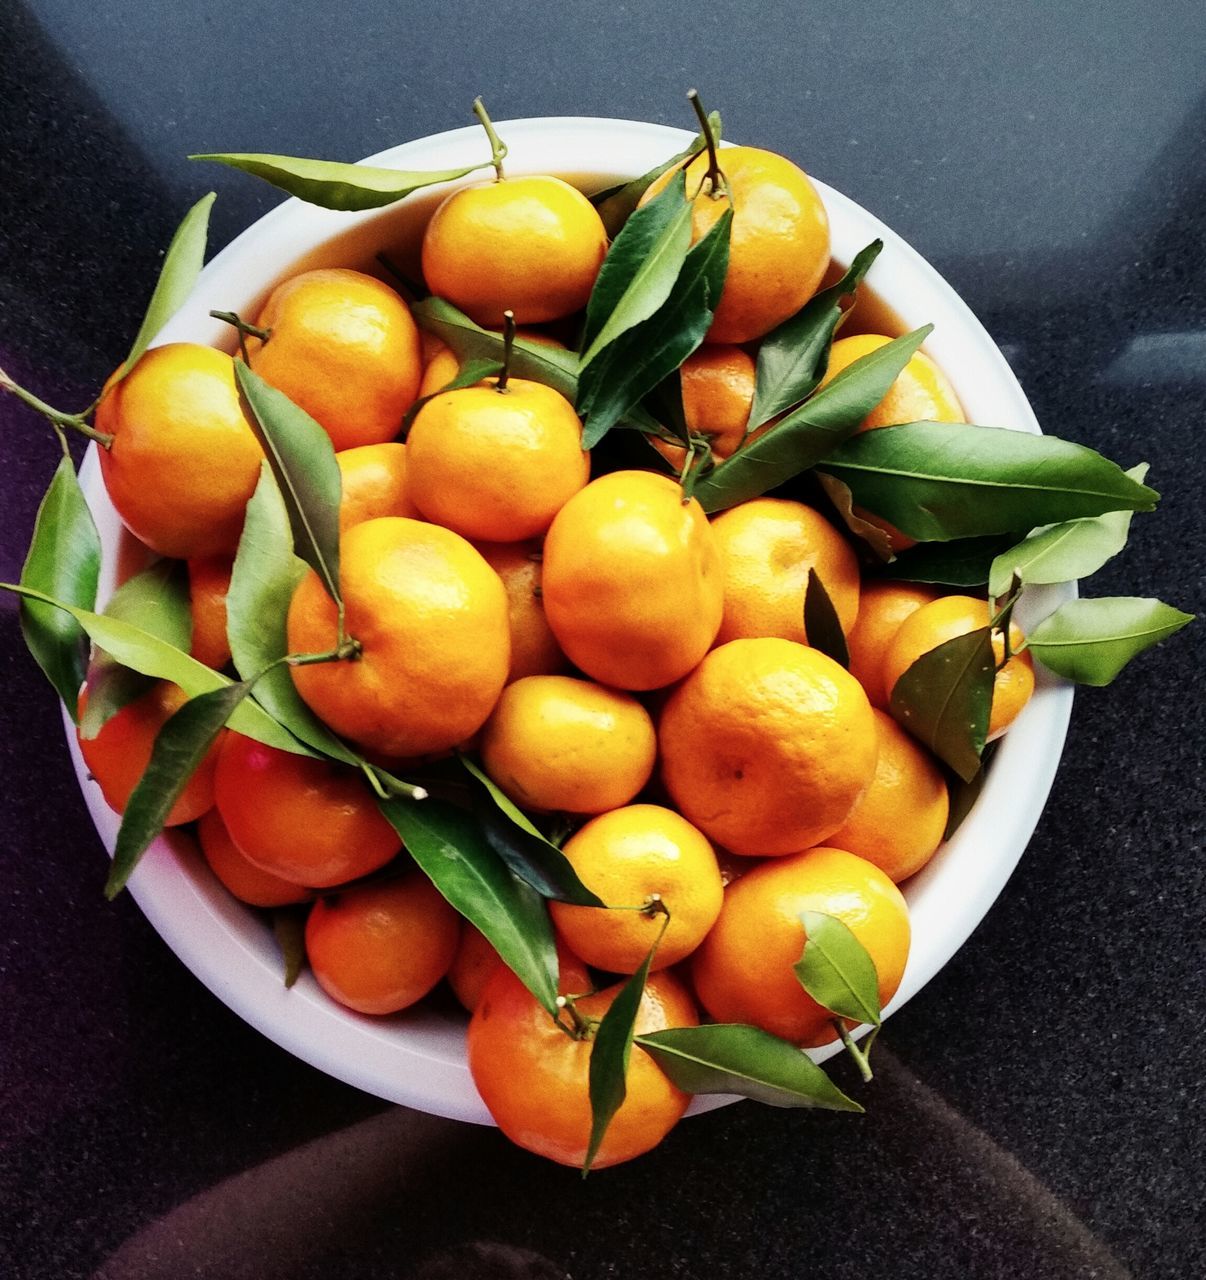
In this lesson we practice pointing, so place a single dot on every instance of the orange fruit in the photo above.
(533, 1076)
(378, 948)
(119, 754)
(444, 364)
(373, 479)
(899, 821)
(184, 460)
(496, 463)
(718, 393)
(208, 583)
(883, 606)
(626, 856)
(767, 546)
(921, 392)
(944, 619)
(767, 745)
(534, 648)
(532, 245)
(431, 619)
(238, 876)
(472, 966)
(311, 822)
(779, 245)
(632, 580)
(743, 971)
(343, 346)
(555, 743)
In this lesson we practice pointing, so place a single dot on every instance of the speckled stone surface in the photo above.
(1038, 1110)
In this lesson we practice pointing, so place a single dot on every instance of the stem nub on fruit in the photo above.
(508, 346)
(498, 148)
(714, 178)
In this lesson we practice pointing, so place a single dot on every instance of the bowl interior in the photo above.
(418, 1058)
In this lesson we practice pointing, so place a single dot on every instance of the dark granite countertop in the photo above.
(1039, 1107)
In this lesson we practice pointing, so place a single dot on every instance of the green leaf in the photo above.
(871, 535)
(524, 848)
(965, 792)
(155, 600)
(302, 459)
(812, 431)
(1065, 552)
(792, 359)
(147, 654)
(941, 480)
(615, 382)
(179, 748)
(733, 1058)
(262, 582)
(1090, 641)
(610, 1055)
(836, 970)
(945, 697)
(473, 371)
(640, 268)
(964, 562)
(63, 560)
(289, 930)
(616, 204)
(450, 846)
(533, 360)
(181, 266)
(345, 187)
(821, 624)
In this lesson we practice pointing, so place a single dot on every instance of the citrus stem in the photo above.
(580, 1027)
(345, 651)
(1002, 619)
(243, 329)
(498, 148)
(860, 1058)
(718, 186)
(58, 419)
(386, 786)
(508, 346)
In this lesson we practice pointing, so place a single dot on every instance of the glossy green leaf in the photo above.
(265, 575)
(450, 846)
(289, 930)
(344, 187)
(964, 562)
(476, 369)
(616, 204)
(874, 538)
(836, 970)
(179, 748)
(1090, 641)
(822, 626)
(63, 561)
(615, 382)
(1065, 552)
(181, 266)
(302, 459)
(792, 358)
(534, 360)
(155, 600)
(941, 480)
(812, 431)
(945, 697)
(733, 1058)
(640, 268)
(149, 655)
(524, 848)
(609, 1057)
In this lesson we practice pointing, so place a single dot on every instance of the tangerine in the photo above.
(767, 746)
(373, 480)
(883, 606)
(718, 393)
(242, 878)
(534, 648)
(921, 392)
(208, 583)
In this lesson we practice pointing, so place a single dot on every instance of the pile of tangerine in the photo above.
(611, 654)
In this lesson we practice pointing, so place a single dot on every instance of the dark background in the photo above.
(1038, 1110)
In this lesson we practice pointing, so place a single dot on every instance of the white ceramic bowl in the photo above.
(418, 1058)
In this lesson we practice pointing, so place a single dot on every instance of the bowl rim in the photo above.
(417, 1059)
